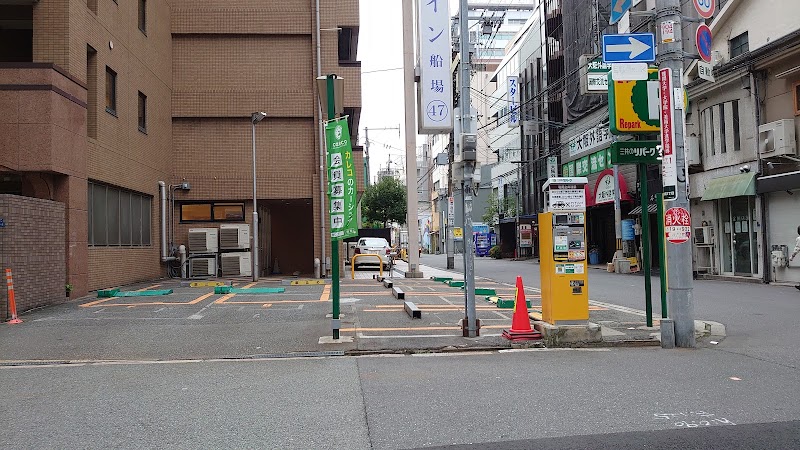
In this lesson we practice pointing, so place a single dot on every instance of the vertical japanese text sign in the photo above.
(435, 81)
(669, 164)
(513, 101)
(341, 180)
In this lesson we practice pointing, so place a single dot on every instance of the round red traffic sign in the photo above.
(677, 225)
(703, 39)
(705, 8)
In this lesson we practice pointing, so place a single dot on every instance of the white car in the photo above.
(376, 246)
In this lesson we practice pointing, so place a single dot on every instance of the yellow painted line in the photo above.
(326, 293)
(97, 302)
(206, 284)
(249, 285)
(200, 299)
(222, 299)
(148, 288)
(254, 302)
(535, 316)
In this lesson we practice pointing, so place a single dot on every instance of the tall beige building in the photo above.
(100, 100)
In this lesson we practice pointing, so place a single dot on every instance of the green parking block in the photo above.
(148, 293)
(231, 290)
(105, 293)
(509, 304)
(442, 279)
(485, 291)
(453, 283)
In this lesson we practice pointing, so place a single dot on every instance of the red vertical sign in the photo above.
(669, 166)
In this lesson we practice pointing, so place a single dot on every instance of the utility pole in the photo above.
(468, 161)
(411, 140)
(679, 256)
(366, 149)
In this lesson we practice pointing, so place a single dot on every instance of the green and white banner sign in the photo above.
(341, 180)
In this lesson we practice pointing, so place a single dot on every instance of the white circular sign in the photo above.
(705, 7)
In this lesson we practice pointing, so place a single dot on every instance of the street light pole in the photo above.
(254, 119)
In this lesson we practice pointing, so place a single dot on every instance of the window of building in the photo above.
(91, 96)
(143, 16)
(212, 212)
(737, 142)
(16, 32)
(796, 94)
(348, 44)
(739, 45)
(723, 142)
(142, 113)
(111, 91)
(118, 217)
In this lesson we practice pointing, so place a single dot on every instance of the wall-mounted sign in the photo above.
(590, 140)
(552, 167)
(594, 79)
(635, 152)
(525, 235)
(604, 192)
(633, 105)
(435, 86)
(512, 97)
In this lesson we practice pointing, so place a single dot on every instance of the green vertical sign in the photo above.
(341, 180)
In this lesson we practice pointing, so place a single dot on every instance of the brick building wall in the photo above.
(32, 246)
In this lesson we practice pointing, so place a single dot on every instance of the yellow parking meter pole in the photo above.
(562, 246)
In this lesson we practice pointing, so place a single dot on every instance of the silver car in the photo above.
(373, 246)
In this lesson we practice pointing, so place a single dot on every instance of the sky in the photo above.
(380, 50)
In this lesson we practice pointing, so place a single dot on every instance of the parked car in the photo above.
(373, 245)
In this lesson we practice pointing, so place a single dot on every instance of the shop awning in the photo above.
(651, 208)
(731, 186)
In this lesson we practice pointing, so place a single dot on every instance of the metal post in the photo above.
(335, 262)
(255, 208)
(469, 168)
(366, 156)
(617, 217)
(662, 252)
(449, 241)
(411, 141)
(648, 301)
(679, 256)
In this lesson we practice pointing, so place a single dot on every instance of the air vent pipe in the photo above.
(162, 188)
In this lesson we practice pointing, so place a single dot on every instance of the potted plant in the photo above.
(68, 288)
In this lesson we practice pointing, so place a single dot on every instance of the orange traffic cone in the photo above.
(12, 304)
(521, 323)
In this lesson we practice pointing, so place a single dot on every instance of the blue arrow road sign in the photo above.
(621, 48)
(618, 9)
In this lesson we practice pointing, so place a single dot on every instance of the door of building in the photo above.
(737, 235)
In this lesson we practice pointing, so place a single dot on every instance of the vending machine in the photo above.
(563, 252)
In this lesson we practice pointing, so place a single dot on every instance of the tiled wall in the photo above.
(32, 246)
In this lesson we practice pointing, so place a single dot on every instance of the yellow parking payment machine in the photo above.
(563, 251)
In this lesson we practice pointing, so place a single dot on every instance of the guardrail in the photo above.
(353, 263)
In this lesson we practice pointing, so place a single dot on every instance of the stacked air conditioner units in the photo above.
(234, 241)
(203, 249)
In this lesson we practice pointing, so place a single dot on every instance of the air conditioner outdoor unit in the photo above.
(777, 138)
(236, 263)
(702, 235)
(203, 240)
(234, 237)
(202, 267)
